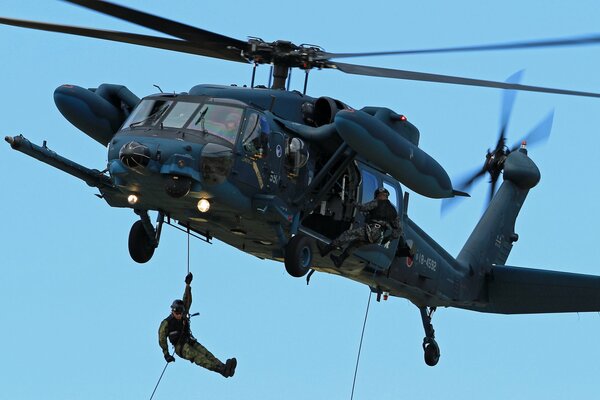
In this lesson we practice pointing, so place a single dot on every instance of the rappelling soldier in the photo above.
(177, 328)
(381, 216)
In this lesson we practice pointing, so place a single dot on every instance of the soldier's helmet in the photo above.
(177, 306)
(381, 190)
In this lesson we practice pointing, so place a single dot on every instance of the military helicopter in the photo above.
(271, 172)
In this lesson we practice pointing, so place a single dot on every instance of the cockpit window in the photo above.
(179, 114)
(219, 120)
(147, 113)
(251, 138)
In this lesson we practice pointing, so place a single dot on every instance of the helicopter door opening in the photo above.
(379, 255)
(335, 213)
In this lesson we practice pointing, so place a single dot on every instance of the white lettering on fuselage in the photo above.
(428, 262)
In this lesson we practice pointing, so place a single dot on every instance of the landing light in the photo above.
(132, 199)
(203, 205)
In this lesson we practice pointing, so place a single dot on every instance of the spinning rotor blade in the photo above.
(539, 134)
(508, 101)
(123, 37)
(463, 184)
(426, 77)
(468, 180)
(572, 41)
(222, 46)
(493, 184)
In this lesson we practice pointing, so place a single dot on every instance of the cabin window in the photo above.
(369, 185)
(179, 114)
(393, 198)
(218, 120)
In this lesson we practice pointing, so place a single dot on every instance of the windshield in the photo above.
(147, 113)
(179, 114)
(219, 120)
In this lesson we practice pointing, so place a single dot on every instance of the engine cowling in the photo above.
(99, 113)
(325, 110)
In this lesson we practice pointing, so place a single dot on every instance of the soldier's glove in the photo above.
(188, 278)
(169, 358)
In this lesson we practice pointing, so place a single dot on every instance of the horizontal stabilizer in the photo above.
(515, 290)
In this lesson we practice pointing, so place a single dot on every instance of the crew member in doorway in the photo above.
(177, 328)
(381, 216)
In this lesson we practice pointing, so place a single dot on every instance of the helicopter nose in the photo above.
(134, 155)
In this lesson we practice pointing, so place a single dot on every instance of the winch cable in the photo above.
(188, 271)
(188, 250)
(360, 345)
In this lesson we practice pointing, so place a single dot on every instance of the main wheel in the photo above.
(432, 352)
(298, 256)
(141, 248)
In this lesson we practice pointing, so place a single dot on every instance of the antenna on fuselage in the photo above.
(305, 80)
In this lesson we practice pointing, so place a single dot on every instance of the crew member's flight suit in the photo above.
(186, 346)
(381, 215)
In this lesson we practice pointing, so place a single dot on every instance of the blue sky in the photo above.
(80, 318)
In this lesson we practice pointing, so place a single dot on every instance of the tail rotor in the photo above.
(494, 159)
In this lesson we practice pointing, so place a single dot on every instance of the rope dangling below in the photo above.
(360, 345)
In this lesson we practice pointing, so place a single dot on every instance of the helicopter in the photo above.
(289, 173)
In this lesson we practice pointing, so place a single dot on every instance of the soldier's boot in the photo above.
(229, 368)
(339, 260)
(221, 369)
(325, 249)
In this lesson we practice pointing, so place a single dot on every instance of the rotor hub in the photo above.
(284, 53)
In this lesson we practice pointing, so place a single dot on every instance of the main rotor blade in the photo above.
(572, 41)
(508, 100)
(539, 134)
(422, 76)
(123, 37)
(227, 48)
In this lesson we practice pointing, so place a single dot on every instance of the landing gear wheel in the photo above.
(432, 352)
(141, 248)
(298, 256)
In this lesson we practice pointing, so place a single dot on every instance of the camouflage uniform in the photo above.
(180, 336)
(381, 215)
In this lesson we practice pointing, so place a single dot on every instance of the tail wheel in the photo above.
(298, 256)
(141, 248)
(432, 352)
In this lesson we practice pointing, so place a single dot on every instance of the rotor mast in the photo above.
(283, 55)
(280, 75)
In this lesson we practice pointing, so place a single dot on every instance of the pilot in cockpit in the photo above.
(232, 124)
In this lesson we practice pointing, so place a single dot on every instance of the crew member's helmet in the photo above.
(381, 190)
(177, 306)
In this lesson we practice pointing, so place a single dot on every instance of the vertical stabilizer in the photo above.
(492, 239)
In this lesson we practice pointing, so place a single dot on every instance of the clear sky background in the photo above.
(80, 318)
